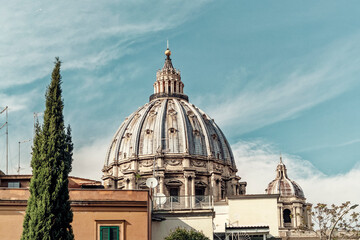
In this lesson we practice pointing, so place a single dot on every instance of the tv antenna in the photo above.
(7, 136)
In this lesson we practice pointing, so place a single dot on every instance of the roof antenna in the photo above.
(167, 43)
(281, 158)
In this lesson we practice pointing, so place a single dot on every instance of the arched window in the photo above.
(287, 216)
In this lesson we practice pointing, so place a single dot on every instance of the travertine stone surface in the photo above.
(173, 140)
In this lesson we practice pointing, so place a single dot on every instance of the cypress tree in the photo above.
(48, 214)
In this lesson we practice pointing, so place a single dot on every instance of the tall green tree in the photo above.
(48, 214)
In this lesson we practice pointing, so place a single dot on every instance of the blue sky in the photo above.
(277, 76)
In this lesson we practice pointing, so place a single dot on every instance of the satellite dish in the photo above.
(160, 198)
(151, 182)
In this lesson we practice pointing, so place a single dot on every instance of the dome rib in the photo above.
(116, 138)
(184, 129)
(139, 130)
(204, 129)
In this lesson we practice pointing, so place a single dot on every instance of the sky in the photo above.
(278, 77)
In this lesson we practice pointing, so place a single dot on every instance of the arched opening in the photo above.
(287, 216)
(174, 193)
(174, 190)
(223, 190)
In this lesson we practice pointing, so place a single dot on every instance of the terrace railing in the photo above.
(182, 202)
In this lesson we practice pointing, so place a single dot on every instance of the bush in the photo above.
(184, 234)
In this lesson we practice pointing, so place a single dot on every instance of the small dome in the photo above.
(283, 185)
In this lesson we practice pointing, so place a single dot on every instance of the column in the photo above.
(161, 184)
(177, 87)
(132, 182)
(279, 216)
(213, 187)
(161, 86)
(294, 216)
(219, 189)
(172, 87)
(186, 191)
(234, 188)
(166, 87)
(193, 191)
(298, 217)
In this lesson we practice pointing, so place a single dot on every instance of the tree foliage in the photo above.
(48, 214)
(346, 220)
(184, 234)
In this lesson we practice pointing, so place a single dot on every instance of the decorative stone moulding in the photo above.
(176, 137)
(146, 163)
(173, 162)
(198, 163)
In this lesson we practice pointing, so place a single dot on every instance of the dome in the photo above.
(283, 185)
(174, 141)
(173, 126)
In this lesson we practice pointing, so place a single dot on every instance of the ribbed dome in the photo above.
(175, 142)
(172, 126)
(283, 185)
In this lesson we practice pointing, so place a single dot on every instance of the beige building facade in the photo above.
(96, 212)
(249, 211)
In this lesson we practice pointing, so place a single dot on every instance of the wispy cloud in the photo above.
(344, 144)
(87, 36)
(257, 161)
(17, 102)
(284, 93)
(85, 33)
(90, 159)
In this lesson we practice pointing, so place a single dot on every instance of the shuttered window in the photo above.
(109, 233)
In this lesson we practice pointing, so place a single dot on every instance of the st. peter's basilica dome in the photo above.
(174, 141)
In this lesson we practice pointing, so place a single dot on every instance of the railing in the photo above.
(160, 95)
(182, 202)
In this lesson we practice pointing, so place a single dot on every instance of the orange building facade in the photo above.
(97, 212)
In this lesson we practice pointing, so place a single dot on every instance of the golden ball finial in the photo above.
(168, 52)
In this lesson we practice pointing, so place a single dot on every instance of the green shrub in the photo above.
(184, 234)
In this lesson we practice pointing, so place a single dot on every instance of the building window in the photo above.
(109, 233)
(287, 216)
(13, 184)
(174, 194)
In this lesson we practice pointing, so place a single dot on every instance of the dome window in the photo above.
(287, 216)
(152, 113)
(171, 111)
(214, 136)
(190, 114)
(148, 131)
(172, 130)
(196, 132)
